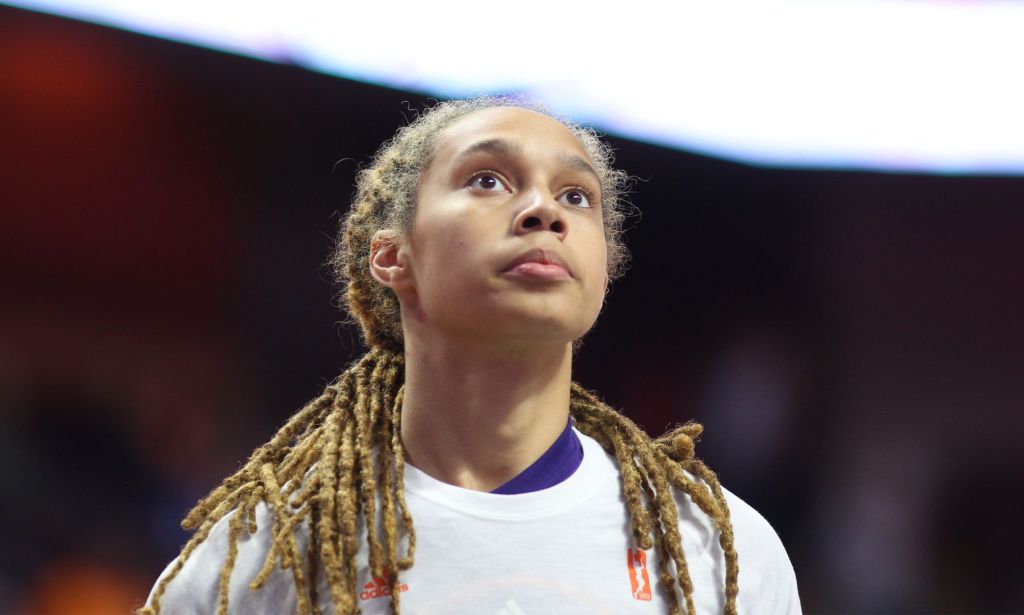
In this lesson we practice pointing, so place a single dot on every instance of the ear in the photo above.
(389, 262)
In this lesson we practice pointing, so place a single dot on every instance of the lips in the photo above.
(542, 257)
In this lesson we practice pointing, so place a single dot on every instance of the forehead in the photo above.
(524, 128)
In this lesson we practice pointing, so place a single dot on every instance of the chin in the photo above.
(546, 322)
(549, 331)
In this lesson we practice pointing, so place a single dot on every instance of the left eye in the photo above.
(487, 181)
(576, 198)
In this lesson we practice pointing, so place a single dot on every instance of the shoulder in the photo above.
(767, 580)
(195, 587)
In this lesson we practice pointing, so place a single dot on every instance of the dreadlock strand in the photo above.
(346, 514)
(328, 540)
(699, 493)
(679, 442)
(323, 529)
(275, 551)
(310, 417)
(287, 535)
(250, 509)
(589, 416)
(711, 503)
(312, 548)
(666, 582)
(329, 469)
(215, 507)
(309, 491)
(386, 487)
(203, 509)
(390, 434)
(234, 530)
(725, 537)
(633, 486)
(658, 467)
(283, 538)
(396, 446)
(708, 496)
(364, 461)
(284, 532)
(382, 394)
(663, 505)
(678, 445)
(668, 520)
(300, 460)
(660, 502)
(200, 535)
(261, 455)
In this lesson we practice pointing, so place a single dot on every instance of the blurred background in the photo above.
(845, 322)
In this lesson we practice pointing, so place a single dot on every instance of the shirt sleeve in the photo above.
(196, 587)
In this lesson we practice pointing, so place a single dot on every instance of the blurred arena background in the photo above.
(852, 340)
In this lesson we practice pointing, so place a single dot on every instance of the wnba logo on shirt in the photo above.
(636, 562)
(379, 587)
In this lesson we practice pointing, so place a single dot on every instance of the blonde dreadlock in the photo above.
(320, 469)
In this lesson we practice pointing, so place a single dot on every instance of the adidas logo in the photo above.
(378, 587)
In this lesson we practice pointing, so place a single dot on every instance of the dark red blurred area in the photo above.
(851, 341)
(107, 178)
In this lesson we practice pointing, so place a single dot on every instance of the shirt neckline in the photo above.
(595, 468)
(556, 464)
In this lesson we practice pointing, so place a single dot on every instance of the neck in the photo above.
(475, 416)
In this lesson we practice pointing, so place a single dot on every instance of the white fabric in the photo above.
(560, 550)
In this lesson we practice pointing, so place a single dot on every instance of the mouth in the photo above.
(540, 263)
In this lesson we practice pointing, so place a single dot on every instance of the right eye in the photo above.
(487, 181)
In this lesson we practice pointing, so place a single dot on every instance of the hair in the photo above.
(320, 468)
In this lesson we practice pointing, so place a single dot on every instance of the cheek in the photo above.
(599, 250)
(451, 247)
(600, 266)
(443, 258)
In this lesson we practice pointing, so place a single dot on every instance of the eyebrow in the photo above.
(502, 147)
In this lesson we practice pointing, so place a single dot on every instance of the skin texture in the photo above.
(488, 349)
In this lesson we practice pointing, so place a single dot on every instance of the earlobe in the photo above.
(389, 264)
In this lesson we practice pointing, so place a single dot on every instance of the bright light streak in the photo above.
(904, 85)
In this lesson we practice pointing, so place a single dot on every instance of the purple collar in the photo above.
(554, 466)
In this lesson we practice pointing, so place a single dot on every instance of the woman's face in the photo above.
(507, 244)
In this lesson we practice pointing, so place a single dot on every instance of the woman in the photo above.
(456, 468)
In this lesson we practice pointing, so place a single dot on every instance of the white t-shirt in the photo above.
(566, 549)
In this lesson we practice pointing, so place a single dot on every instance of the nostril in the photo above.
(531, 222)
(556, 226)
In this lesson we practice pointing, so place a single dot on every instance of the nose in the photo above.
(542, 214)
